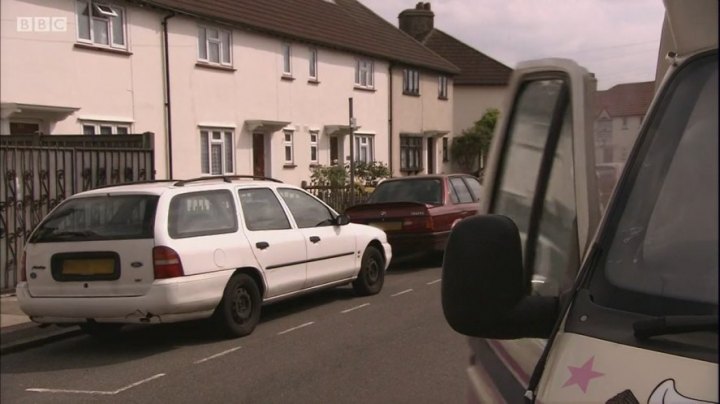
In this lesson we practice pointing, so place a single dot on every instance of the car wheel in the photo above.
(101, 330)
(239, 310)
(372, 273)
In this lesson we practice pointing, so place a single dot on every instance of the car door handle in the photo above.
(262, 245)
(315, 239)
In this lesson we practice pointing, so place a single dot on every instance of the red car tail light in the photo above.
(418, 223)
(22, 269)
(166, 263)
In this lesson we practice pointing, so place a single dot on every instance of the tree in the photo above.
(471, 148)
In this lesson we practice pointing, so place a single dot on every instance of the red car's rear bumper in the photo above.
(404, 245)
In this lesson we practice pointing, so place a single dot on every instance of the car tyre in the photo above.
(104, 331)
(372, 273)
(239, 310)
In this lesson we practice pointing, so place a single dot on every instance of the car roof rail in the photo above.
(225, 178)
(132, 183)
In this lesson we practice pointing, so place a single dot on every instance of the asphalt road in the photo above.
(330, 347)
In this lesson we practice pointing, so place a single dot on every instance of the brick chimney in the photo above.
(417, 22)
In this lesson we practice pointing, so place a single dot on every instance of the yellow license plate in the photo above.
(89, 267)
(387, 225)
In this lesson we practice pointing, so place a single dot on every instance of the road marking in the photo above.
(355, 308)
(217, 355)
(433, 282)
(296, 328)
(402, 293)
(97, 392)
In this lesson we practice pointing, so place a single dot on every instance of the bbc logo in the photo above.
(41, 24)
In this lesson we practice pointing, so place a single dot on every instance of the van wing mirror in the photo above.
(483, 285)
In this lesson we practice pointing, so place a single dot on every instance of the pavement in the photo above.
(18, 332)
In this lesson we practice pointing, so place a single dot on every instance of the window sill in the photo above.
(100, 48)
(287, 78)
(368, 89)
(211, 66)
(315, 165)
(313, 81)
(289, 165)
(411, 94)
(443, 98)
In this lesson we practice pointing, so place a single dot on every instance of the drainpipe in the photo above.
(390, 118)
(168, 109)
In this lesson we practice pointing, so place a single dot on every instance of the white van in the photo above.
(562, 306)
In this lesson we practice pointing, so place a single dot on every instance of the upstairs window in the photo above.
(287, 66)
(364, 73)
(214, 46)
(312, 64)
(443, 87)
(411, 82)
(101, 24)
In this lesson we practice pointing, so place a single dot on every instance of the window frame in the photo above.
(99, 125)
(442, 87)
(312, 64)
(227, 159)
(368, 146)
(364, 71)
(286, 51)
(407, 149)
(445, 149)
(98, 13)
(314, 147)
(411, 82)
(288, 146)
(222, 34)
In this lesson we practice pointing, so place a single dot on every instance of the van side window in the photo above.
(262, 210)
(201, 214)
(536, 187)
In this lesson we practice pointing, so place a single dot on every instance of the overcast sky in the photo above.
(618, 40)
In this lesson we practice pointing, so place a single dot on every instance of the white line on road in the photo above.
(97, 392)
(296, 328)
(402, 293)
(355, 308)
(217, 355)
(433, 282)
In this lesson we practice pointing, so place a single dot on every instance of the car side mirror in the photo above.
(341, 220)
(484, 289)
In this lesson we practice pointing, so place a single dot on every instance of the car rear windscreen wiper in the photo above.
(653, 327)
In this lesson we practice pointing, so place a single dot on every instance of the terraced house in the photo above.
(228, 86)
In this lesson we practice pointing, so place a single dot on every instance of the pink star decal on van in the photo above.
(582, 375)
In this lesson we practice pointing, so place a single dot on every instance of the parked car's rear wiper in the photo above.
(653, 327)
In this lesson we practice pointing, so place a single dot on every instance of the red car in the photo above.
(418, 212)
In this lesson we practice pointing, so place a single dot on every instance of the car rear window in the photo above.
(420, 190)
(202, 213)
(107, 217)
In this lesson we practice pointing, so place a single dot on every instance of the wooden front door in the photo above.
(259, 154)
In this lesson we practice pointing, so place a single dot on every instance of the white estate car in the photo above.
(168, 251)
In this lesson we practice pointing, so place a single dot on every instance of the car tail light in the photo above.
(418, 223)
(22, 269)
(166, 263)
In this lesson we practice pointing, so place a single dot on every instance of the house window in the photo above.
(410, 153)
(313, 147)
(101, 24)
(443, 87)
(445, 156)
(214, 46)
(287, 70)
(411, 82)
(288, 146)
(216, 151)
(364, 148)
(313, 70)
(105, 128)
(364, 73)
